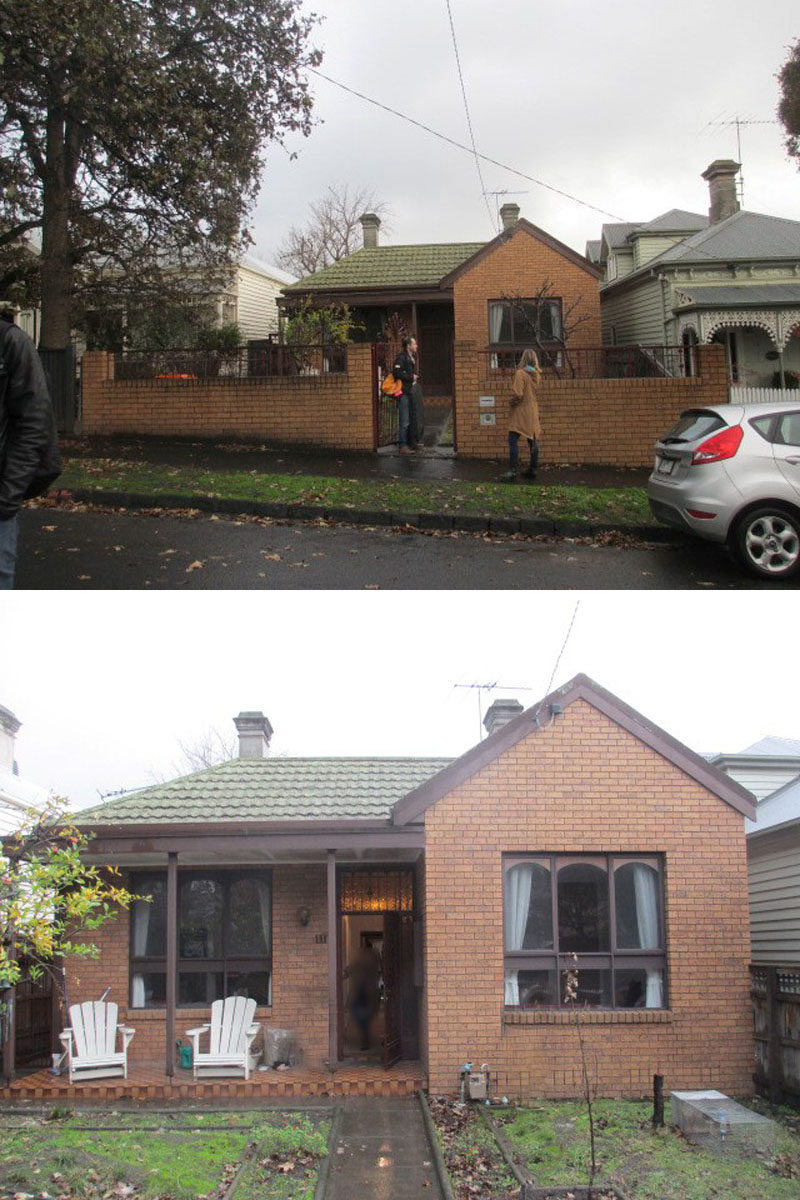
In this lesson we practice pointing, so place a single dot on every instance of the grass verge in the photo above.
(613, 506)
(182, 1156)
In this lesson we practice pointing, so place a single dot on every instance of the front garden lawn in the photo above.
(552, 1141)
(619, 507)
(162, 1156)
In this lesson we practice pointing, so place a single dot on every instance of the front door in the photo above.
(435, 331)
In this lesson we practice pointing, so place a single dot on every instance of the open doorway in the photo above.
(378, 995)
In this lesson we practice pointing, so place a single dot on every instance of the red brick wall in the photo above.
(604, 421)
(583, 784)
(300, 973)
(521, 267)
(324, 410)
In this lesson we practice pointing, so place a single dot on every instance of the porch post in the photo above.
(8, 1020)
(172, 957)
(333, 990)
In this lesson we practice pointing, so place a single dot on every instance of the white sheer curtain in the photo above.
(517, 901)
(645, 887)
(141, 926)
(262, 888)
(495, 328)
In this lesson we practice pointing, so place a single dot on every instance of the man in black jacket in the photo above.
(405, 369)
(29, 458)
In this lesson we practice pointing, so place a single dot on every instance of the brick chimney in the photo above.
(254, 732)
(370, 224)
(500, 713)
(509, 215)
(721, 176)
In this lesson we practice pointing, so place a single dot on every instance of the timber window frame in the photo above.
(210, 965)
(601, 915)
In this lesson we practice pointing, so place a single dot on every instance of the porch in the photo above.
(148, 1082)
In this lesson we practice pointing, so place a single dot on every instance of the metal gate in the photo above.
(60, 369)
(385, 415)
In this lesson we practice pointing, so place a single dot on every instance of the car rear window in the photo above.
(693, 424)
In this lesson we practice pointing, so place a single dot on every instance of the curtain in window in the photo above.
(141, 926)
(517, 903)
(262, 888)
(495, 328)
(645, 887)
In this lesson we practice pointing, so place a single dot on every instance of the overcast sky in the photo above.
(106, 684)
(612, 103)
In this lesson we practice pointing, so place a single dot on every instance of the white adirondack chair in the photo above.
(232, 1032)
(90, 1042)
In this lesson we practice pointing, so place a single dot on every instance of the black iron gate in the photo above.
(60, 369)
(385, 415)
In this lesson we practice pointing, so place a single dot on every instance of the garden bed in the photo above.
(253, 1155)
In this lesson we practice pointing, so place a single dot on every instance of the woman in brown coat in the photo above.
(524, 417)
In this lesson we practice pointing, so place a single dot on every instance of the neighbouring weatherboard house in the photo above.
(731, 277)
(576, 827)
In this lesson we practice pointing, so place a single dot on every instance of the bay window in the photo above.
(600, 914)
(224, 938)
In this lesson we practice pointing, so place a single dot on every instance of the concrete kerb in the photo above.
(436, 1151)
(426, 522)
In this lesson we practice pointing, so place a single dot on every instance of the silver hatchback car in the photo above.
(731, 473)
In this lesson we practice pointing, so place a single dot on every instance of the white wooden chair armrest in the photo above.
(200, 1029)
(127, 1035)
(65, 1037)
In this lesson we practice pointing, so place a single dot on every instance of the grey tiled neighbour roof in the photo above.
(745, 235)
(742, 295)
(617, 235)
(593, 251)
(390, 266)
(675, 221)
(273, 789)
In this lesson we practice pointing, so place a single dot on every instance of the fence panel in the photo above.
(756, 395)
(775, 992)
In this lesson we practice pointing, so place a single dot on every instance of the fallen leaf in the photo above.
(195, 566)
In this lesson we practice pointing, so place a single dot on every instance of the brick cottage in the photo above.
(576, 827)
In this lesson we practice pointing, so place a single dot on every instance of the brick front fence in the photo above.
(333, 410)
(585, 420)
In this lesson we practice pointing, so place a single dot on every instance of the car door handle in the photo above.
(794, 460)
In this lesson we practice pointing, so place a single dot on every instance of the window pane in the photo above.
(537, 988)
(638, 909)
(594, 988)
(500, 323)
(200, 987)
(253, 984)
(582, 908)
(148, 989)
(200, 907)
(149, 920)
(635, 987)
(788, 431)
(248, 931)
(528, 907)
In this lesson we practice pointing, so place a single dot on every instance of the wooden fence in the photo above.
(776, 1016)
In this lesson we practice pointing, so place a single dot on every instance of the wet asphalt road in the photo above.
(61, 548)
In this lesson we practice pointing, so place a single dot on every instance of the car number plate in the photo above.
(666, 466)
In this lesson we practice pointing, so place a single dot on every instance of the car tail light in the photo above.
(700, 514)
(722, 445)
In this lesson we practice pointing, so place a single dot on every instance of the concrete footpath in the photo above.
(430, 465)
(380, 1148)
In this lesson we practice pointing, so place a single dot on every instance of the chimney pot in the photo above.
(721, 177)
(254, 732)
(370, 224)
(9, 726)
(509, 215)
(500, 713)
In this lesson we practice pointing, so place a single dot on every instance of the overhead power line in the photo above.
(460, 146)
(469, 119)
(563, 647)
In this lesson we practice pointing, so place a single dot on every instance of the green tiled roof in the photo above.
(273, 789)
(390, 266)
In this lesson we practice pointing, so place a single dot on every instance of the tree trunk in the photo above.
(56, 261)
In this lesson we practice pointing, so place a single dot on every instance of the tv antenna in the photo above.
(740, 123)
(488, 687)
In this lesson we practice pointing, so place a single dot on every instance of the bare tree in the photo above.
(331, 232)
(532, 318)
(208, 750)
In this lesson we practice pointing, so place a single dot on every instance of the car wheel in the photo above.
(766, 542)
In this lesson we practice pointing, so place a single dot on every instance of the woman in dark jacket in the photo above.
(405, 369)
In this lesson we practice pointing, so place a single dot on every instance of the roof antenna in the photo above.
(488, 687)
